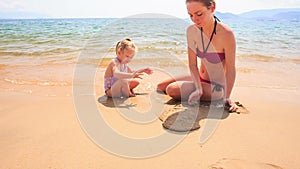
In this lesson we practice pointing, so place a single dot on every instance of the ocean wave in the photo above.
(36, 82)
(268, 58)
(162, 49)
(42, 52)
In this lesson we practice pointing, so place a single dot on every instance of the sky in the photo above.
(126, 8)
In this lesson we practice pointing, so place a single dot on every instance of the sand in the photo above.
(41, 129)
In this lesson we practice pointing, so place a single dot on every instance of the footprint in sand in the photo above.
(241, 164)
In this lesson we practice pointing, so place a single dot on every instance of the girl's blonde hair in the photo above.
(207, 3)
(125, 44)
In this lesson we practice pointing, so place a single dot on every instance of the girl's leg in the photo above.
(125, 89)
(119, 88)
(163, 85)
(133, 83)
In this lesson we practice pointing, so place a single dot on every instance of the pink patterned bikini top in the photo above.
(211, 57)
(110, 80)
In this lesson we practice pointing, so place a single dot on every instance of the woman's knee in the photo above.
(173, 91)
(162, 86)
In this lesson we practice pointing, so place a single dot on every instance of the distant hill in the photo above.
(284, 13)
(222, 16)
(292, 16)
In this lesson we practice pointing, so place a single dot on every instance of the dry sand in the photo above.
(41, 130)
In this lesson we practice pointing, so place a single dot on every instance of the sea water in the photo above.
(43, 51)
(43, 41)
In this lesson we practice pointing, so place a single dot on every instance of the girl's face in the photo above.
(126, 55)
(199, 13)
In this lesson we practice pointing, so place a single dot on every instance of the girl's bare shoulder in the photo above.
(113, 63)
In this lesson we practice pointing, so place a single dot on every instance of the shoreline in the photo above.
(267, 73)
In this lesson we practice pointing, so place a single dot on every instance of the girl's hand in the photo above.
(145, 70)
(148, 71)
(195, 96)
(137, 75)
(232, 106)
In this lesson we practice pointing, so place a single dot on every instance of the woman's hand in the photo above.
(195, 96)
(232, 106)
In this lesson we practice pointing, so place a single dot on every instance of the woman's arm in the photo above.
(191, 33)
(193, 65)
(194, 70)
(230, 70)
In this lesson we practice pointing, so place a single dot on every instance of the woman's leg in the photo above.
(181, 90)
(163, 85)
(209, 94)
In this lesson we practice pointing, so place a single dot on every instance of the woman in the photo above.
(214, 43)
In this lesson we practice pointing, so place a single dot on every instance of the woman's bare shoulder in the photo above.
(224, 29)
(191, 28)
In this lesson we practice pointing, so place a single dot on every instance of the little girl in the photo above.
(119, 79)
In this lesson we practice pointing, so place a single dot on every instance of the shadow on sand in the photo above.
(183, 117)
(177, 116)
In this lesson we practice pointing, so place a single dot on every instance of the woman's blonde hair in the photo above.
(125, 44)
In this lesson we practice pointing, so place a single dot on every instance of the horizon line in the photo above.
(131, 16)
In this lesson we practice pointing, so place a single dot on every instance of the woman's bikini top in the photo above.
(212, 57)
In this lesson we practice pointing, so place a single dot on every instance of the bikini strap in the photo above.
(217, 18)
(210, 39)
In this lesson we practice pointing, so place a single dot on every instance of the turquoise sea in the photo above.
(45, 41)
(43, 52)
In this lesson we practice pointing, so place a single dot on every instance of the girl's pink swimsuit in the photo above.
(110, 80)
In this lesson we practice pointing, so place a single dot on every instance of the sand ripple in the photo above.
(241, 164)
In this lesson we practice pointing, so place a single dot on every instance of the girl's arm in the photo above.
(143, 70)
(123, 75)
(126, 75)
(118, 74)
